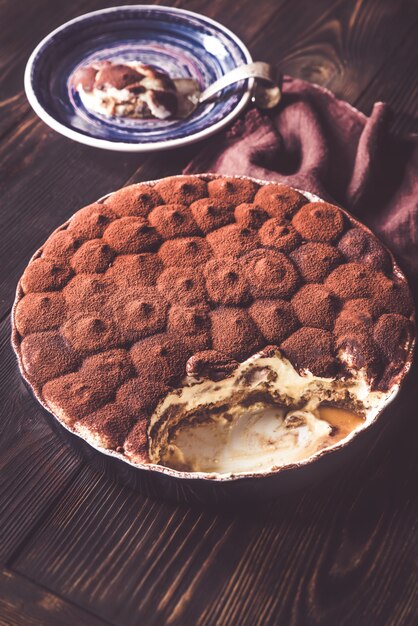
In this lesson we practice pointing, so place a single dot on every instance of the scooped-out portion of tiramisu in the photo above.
(214, 325)
(128, 89)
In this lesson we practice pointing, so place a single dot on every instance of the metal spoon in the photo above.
(266, 93)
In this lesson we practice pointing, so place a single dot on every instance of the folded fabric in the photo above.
(318, 143)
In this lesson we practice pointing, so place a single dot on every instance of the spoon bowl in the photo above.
(266, 95)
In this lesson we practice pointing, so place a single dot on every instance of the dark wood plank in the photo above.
(35, 466)
(151, 550)
(246, 18)
(36, 20)
(340, 45)
(397, 84)
(23, 603)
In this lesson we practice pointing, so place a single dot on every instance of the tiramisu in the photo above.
(213, 324)
(128, 89)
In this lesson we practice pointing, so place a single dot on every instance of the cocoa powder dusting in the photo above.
(191, 275)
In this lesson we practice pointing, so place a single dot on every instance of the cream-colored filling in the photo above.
(264, 416)
(122, 103)
(258, 438)
(113, 102)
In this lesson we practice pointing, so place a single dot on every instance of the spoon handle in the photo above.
(260, 70)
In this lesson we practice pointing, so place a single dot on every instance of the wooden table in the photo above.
(76, 547)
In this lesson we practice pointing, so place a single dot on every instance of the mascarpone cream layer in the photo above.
(225, 427)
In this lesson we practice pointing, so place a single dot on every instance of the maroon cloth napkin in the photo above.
(321, 144)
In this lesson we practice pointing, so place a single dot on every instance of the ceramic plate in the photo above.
(182, 43)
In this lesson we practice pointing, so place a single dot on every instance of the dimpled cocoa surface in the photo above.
(113, 306)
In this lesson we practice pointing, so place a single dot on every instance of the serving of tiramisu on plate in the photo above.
(131, 90)
(213, 327)
(114, 78)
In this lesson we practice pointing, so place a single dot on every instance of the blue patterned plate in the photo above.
(182, 43)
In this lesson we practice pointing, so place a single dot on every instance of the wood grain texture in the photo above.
(340, 45)
(396, 83)
(79, 548)
(24, 603)
(35, 467)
